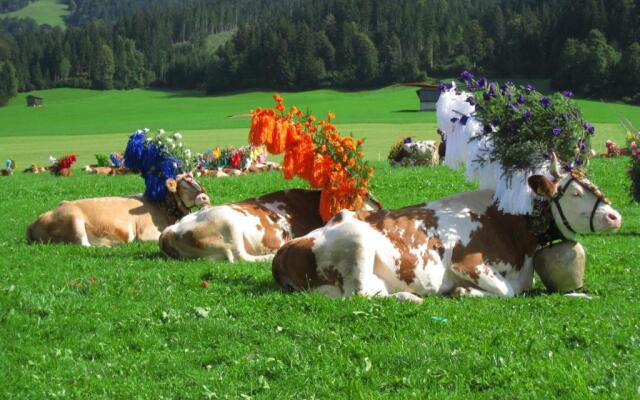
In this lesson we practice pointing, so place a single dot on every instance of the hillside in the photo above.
(49, 12)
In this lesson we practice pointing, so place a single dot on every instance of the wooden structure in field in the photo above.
(34, 101)
(428, 94)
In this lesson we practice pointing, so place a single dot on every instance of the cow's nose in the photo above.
(614, 219)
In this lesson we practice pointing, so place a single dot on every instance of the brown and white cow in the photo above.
(108, 221)
(458, 245)
(249, 230)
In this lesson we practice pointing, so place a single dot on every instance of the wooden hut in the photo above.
(428, 94)
(34, 101)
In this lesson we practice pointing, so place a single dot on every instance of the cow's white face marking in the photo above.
(577, 203)
(191, 191)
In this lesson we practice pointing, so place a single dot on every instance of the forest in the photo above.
(590, 46)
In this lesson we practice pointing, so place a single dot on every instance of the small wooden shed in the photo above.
(34, 101)
(428, 94)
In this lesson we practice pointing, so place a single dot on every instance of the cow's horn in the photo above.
(555, 166)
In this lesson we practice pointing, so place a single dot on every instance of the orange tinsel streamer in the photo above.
(315, 151)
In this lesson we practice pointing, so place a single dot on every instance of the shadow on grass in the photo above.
(406, 111)
(245, 284)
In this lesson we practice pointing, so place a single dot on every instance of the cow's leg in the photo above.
(80, 232)
(474, 271)
(407, 296)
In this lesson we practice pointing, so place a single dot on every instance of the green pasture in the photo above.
(87, 122)
(127, 323)
(50, 12)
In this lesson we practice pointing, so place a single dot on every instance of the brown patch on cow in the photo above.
(542, 186)
(501, 238)
(259, 227)
(294, 267)
(467, 264)
(271, 238)
(400, 227)
(189, 238)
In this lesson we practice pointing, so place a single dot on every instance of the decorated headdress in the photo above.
(158, 158)
(503, 134)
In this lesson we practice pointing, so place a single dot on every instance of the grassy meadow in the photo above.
(127, 323)
(87, 122)
(50, 12)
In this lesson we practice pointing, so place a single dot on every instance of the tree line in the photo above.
(301, 44)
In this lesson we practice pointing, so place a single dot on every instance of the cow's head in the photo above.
(577, 205)
(190, 192)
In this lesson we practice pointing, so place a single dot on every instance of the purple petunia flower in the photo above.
(513, 127)
(445, 87)
(482, 82)
(579, 162)
(530, 88)
(589, 128)
(486, 96)
(466, 76)
(504, 89)
(545, 102)
(463, 120)
(527, 116)
(522, 99)
(568, 166)
(557, 131)
(567, 93)
(513, 107)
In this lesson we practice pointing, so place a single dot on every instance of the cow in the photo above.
(249, 230)
(424, 152)
(35, 169)
(460, 245)
(98, 170)
(108, 221)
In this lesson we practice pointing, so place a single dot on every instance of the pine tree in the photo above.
(8, 83)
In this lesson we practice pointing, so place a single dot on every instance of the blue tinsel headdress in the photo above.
(155, 161)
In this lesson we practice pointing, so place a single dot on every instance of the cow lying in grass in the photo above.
(108, 221)
(95, 169)
(249, 230)
(458, 245)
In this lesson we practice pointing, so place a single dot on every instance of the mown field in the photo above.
(50, 12)
(127, 323)
(87, 122)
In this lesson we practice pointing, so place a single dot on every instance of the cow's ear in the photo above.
(543, 186)
(172, 185)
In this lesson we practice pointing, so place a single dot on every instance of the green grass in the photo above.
(122, 322)
(87, 122)
(50, 12)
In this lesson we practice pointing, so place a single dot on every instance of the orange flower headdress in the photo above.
(315, 151)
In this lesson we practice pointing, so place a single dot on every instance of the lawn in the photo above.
(125, 322)
(87, 122)
(49, 12)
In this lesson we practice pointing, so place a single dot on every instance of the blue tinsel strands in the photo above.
(154, 163)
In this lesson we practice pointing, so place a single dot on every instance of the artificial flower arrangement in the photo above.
(62, 166)
(504, 134)
(315, 151)
(633, 142)
(525, 126)
(393, 152)
(613, 150)
(230, 157)
(102, 160)
(158, 157)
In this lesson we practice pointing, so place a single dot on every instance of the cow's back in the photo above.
(100, 221)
